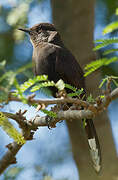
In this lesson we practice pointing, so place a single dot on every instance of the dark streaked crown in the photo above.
(43, 26)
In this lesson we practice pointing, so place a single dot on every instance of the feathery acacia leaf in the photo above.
(76, 93)
(10, 130)
(106, 52)
(68, 86)
(111, 27)
(103, 82)
(7, 75)
(49, 113)
(31, 82)
(105, 42)
(94, 65)
(42, 85)
(116, 83)
(2, 64)
(116, 11)
(23, 68)
(113, 78)
(90, 99)
(19, 92)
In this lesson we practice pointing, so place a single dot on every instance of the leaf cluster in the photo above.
(10, 130)
(107, 78)
(101, 43)
(36, 83)
(8, 80)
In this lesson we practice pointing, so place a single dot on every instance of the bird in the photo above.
(52, 58)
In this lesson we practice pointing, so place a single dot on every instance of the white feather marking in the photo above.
(94, 153)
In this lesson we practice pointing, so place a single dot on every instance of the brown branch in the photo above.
(52, 101)
(62, 115)
(9, 157)
(113, 95)
(108, 99)
(90, 111)
(13, 148)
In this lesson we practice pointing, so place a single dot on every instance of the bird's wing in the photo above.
(68, 68)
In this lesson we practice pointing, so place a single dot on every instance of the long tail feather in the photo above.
(94, 145)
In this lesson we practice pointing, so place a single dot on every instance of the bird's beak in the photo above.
(27, 30)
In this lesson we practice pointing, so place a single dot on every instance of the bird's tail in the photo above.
(94, 145)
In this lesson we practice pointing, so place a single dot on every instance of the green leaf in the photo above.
(107, 78)
(116, 11)
(7, 75)
(113, 77)
(10, 130)
(76, 93)
(68, 86)
(111, 60)
(19, 92)
(42, 85)
(73, 94)
(110, 28)
(41, 78)
(84, 123)
(90, 99)
(110, 51)
(103, 81)
(13, 173)
(6, 82)
(101, 96)
(31, 82)
(3, 96)
(94, 65)
(2, 64)
(49, 113)
(116, 84)
(105, 42)
(60, 85)
(23, 68)
(26, 85)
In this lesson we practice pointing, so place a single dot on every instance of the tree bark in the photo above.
(75, 22)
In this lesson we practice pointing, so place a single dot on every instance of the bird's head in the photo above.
(43, 32)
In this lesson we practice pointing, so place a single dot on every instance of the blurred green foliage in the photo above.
(8, 79)
(107, 78)
(12, 173)
(101, 43)
(109, 7)
(10, 130)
